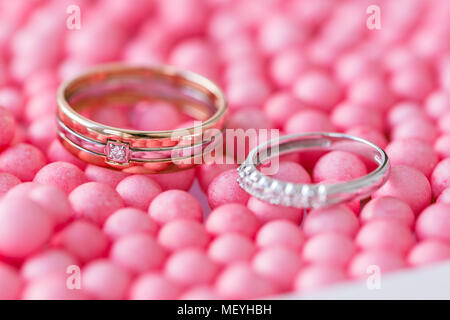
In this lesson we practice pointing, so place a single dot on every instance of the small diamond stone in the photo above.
(117, 151)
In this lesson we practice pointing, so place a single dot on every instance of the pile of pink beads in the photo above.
(295, 65)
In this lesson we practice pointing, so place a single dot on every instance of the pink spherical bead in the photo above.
(427, 252)
(12, 100)
(22, 160)
(388, 208)
(208, 171)
(348, 114)
(444, 123)
(338, 219)
(7, 127)
(95, 201)
(442, 146)
(127, 221)
(309, 121)
(10, 282)
(414, 153)
(24, 227)
(61, 174)
(56, 152)
(183, 17)
(338, 166)
(404, 111)
(175, 204)
(371, 92)
(200, 293)
(318, 89)
(444, 197)
(181, 180)
(190, 267)
(51, 261)
(138, 191)
(286, 66)
(329, 249)
(370, 134)
(440, 178)
(418, 128)
(40, 105)
(281, 106)
(244, 94)
(412, 82)
(437, 104)
(240, 281)
(314, 277)
(232, 217)
(231, 247)
(225, 189)
(104, 175)
(137, 252)
(7, 181)
(104, 280)
(155, 116)
(351, 66)
(386, 261)
(291, 172)
(42, 131)
(181, 234)
(433, 222)
(266, 212)
(82, 239)
(409, 185)
(52, 287)
(152, 286)
(278, 264)
(280, 233)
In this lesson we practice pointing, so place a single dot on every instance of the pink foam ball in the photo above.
(371, 92)
(348, 114)
(444, 123)
(386, 261)
(404, 111)
(338, 166)
(433, 222)
(328, 248)
(200, 293)
(50, 261)
(52, 287)
(292, 172)
(280, 107)
(442, 146)
(232, 217)
(266, 212)
(249, 118)
(7, 181)
(349, 67)
(286, 66)
(183, 17)
(95, 201)
(310, 88)
(156, 116)
(231, 247)
(40, 105)
(225, 189)
(280, 233)
(104, 175)
(428, 252)
(314, 277)
(11, 99)
(208, 171)
(309, 121)
(370, 134)
(388, 208)
(24, 227)
(7, 127)
(243, 94)
(414, 153)
(10, 282)
(181, 234)
(61, 174)
(138, 252)
(440, 178)
(82, 239)
(21, 190)
(127, 221)
(412, 82)
(386, 235)
(42, 131)
(190, 267)
(138, 191)
(22, 160)
(175, 204)
(444, 197)
(152, 286)
(115, 116)
(223, 25)
(338, 218)
(409, 185)
(54, 202)
(240, 281)
(437, 104)
(104, 280)
(56, 152)
(181, 180)
(280, 265)
(40, 81)
(418, 128)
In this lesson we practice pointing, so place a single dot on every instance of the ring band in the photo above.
(300, 195)
(137, 151)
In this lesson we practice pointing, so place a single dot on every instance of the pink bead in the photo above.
(24, 227)
(412, 82)
(280, 265)
(338, 166)
(249, 118)
(181, 234)
(223, 25)
(138, 252)
(444, 197)
(386, 261)
(385, 234)
(200, 293)
(183, 17)
(437, 104)
(442, 146)
(138, 191)
(40, 105)
(317, 89)
(7, 181)
(127, 221)
(208, 171)
(404, 111)
(225, 189)
(286, 66)
(82, 239)
(338, 219)
(388, 208)
(155, 116)
(314, 277)
(95, 201)
(428, 252)
(51, 261)
(351, 66)
(292, 172)
(232, 217)
(7, 127)
(240, 281)
(371, 92)
(181, 180)
(414, 153)
(42, 131)
(104, 280)
(280, 233)
(190, 267)
(22, 160)
(231, 247)
(309, 121)
(152, 286)
(409, 185)
(10, 282)
(433, 222)
(444, 123)
(417, 128)
(369, 134)
(61, 174)
(280, 107)
(243, 94)
(348, 114)
(329, 249)
(175, 204)
(440, 178)
(56, 152)
(266, 212)
(11, 99)
(40, 81)
(52, 287)
(104, 175)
